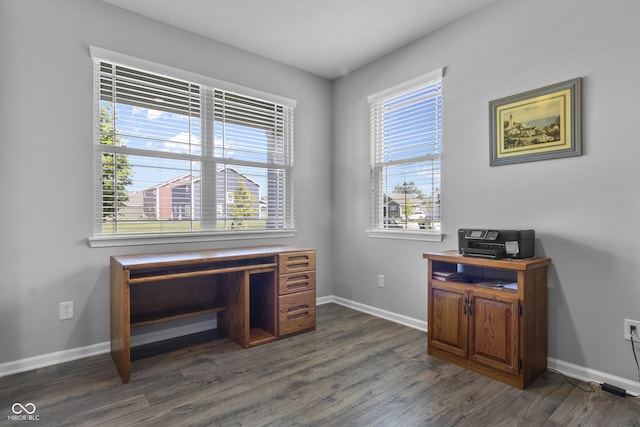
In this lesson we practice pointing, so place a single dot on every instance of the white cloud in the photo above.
(181, 142)
(153, 114)
(149, 113)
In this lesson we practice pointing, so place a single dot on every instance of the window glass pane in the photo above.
(233, 141)
(151, 194)
(406, 143)
(410, 127)
(165, 167)
(411, 196)
(149, 129)
(242, 197)
(248, 129)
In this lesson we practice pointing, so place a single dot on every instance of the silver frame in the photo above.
(575, 123)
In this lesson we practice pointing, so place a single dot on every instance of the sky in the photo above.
(170, 133)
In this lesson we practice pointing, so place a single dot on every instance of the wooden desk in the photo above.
(259, 293)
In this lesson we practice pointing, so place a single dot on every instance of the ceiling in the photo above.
(329, 38)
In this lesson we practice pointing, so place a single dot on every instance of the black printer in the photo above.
(496, 244)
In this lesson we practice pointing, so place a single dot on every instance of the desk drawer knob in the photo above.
(295, 262)
(296, 282)
(297, 312)
(300, 265)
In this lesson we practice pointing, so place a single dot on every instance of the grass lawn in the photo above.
(165, 226)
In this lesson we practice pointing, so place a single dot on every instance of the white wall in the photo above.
(46, 120)
(585, 209)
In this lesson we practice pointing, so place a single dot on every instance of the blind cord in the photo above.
(587, 388)
(633, 348)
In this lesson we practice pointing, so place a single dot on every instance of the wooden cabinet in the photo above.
(296, 292)
(480, 326)
(489, 316)
(258, 293)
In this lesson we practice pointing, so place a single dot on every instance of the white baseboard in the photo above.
(63, 356)
(569, 369)
(591, 375)
(49, 359)
(420, 325)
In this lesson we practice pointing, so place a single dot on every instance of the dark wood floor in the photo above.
(353, 370)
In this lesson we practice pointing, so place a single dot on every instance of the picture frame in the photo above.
(540, 124)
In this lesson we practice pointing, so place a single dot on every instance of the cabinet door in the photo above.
(493, 331)
(448, 320)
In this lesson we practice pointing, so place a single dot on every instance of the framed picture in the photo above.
(537, 125)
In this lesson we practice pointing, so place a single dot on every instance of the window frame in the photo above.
(375, 231)
(105, 240)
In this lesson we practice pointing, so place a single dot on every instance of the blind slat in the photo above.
(406, 144)
(176, 156)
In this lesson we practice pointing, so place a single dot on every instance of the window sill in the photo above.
(158, 239)
(434, 236)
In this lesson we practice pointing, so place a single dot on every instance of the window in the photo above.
(406, 145)
(178, 157)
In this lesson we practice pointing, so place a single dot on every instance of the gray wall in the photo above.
(46, 118)
(585, 210)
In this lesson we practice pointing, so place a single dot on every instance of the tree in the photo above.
(410, 189)
(243, 203)
(116, 170)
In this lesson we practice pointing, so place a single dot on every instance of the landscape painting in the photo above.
(536, 125)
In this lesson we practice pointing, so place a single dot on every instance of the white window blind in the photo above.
(174, 156)
(406, 146)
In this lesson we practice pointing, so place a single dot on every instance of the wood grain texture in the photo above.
(509, 264)
(120, 319)
(297, 282)
(241, 285)
(493, 331)
(352, 370)
(298, 261)
(296, 292)
(447, 320)
(159, 260)
(234, 322)
(263, 318)
(297, 312)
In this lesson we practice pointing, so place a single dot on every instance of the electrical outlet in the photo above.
(381, 280)
(627, 330)
(66, 310)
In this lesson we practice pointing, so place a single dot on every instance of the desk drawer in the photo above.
(297, 312)
(293, 262)
(296, 282)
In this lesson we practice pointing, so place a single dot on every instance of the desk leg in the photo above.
(120, 321)
(234, 322)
